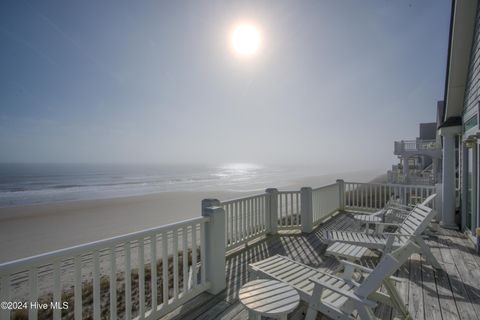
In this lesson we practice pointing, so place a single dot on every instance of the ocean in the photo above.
(28, 184)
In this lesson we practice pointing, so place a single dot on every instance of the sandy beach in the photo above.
(31, 230)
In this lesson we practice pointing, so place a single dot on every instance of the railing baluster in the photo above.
(194, 254)
(362, 191)
(113, 283)
(254, 216)
(357, 197)
(369, 198)
(78, 288)
(259, 214)
(245, 220)
(175, 264)
(96, 285)
(237, 222)
(248, 214)
(241, 220)
(298, 208)
(165, 268)
(185, 259)
(153, 270)
(33, 285)
(260, 207)
(128, 281)
(385, 191)
(348, 193)
(281, 197)
(292, 214)
(141, 278)
(230, 221)
(57, 290)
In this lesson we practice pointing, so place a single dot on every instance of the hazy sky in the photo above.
(334, 84)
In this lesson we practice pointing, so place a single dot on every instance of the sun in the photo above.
(245, 39)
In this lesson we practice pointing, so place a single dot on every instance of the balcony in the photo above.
(417, 147)
(194, 269)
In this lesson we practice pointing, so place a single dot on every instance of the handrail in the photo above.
(392, 184)
(225, 202)
(324, 187)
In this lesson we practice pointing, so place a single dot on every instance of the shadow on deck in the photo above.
(451, 293)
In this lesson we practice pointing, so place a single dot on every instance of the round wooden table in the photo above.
(269, 298)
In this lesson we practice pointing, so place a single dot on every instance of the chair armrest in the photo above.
(387, 224)
(343, 292)
(356, 266)
(365, 269)
(400, 206)
(395, 234)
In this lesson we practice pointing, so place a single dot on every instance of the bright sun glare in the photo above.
(246, 39)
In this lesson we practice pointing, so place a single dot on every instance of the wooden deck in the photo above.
(453, 293)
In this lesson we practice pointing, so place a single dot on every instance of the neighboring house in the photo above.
(460, 124)
(420, 159)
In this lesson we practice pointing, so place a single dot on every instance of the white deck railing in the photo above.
(416, 145)
(376, 195)
(288, 209)
(71, 271)
(191, 254)
(245, 219)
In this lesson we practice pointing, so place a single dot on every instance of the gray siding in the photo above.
(472, 92)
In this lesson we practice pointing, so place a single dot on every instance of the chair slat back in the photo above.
(417, 220)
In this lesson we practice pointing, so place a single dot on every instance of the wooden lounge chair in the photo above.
(338, 296)
(393, 212)
(411, 228)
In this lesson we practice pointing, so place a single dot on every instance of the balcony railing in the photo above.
(147, 274)
(415, 145)
(160, 265)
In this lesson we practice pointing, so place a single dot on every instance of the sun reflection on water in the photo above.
(238, 171)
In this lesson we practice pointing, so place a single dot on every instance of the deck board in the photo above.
(451, 293)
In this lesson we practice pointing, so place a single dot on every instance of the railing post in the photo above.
(306, 209)
(271, 211)
(341, 194)
(214, 245)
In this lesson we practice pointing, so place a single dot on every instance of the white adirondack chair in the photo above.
(410, 229)
(338, 296)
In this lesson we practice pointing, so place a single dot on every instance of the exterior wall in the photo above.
(470, 132)
(472, 90)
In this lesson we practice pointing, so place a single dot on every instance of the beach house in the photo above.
(460, 124)
(420, 159)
